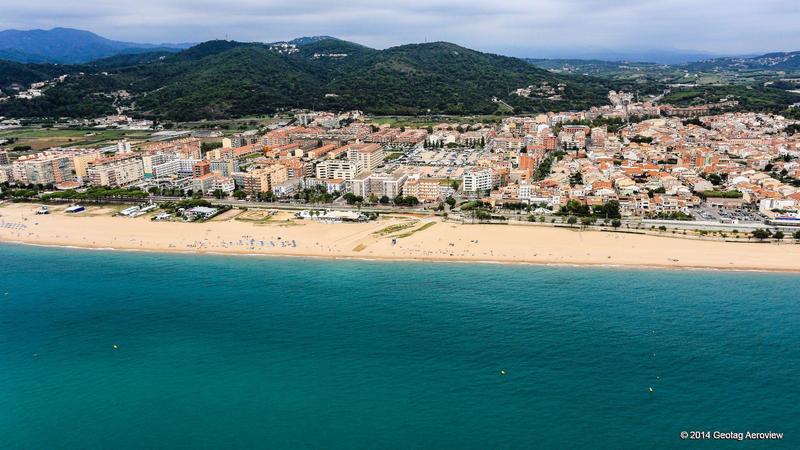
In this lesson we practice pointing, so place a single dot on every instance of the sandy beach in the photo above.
(395, 237)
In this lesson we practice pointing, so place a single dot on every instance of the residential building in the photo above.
(116, 171)
(182, 148)
(263, 179)
(201, 168)
(427, 189)
(368, 156)
(81, 160)
(338, 168)
(478, 181)
(379, 184)
(51, 167)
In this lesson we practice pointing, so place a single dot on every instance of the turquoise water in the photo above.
(239, 352)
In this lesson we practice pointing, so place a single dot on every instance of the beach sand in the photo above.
(253, 232)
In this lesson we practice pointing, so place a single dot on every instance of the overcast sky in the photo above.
(518, 27)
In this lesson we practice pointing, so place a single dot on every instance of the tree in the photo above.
(610, 209)
(352, 199)
(409, 200)
(796, 235)
(760, 234)
(778, 235)
(268, 196)
(384, 200)
(616, 223)
(450, 201)
(586, 221)
(482, 214)
(219, 193)
(576, 207)
(572, 220)
(239, 194)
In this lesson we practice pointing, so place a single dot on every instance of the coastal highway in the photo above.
(514, 218)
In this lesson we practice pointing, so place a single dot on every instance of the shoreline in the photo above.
(396, 238)
(402, 259)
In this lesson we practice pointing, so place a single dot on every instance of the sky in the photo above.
(533, 28)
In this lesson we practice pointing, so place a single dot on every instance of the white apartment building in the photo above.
(379, 184)
(156, 159)
(338, 168)
(211, 182)
(478, 181)
(121, 170)
(180, 167)
(527, 193)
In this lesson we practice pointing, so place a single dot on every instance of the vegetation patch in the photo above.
(391, 229)
(409, 233)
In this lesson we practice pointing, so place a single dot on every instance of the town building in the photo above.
(116, 171)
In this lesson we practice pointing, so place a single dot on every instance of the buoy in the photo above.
(650, 388)
(115, 346)
(502, 372)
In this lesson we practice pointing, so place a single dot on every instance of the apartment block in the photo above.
(44, 168)
(116, 171)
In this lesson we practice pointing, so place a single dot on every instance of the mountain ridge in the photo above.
(219, 79)
(67, 46)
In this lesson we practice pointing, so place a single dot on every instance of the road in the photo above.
(301, 206)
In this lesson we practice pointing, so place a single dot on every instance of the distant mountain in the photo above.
(769, 61)
(67, 46)
(661, 56)
(220, 79)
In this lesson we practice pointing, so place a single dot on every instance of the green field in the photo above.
(42, 138)
(232, 126)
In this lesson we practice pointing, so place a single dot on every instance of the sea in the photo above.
(127, 350)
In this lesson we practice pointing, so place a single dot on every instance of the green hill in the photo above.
(220, 79)
(25, 74)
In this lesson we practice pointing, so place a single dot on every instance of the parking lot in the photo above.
(745, 214)
(444, 157)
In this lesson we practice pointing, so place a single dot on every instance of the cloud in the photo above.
(508, 26)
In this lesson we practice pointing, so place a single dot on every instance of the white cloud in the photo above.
(517, 26)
